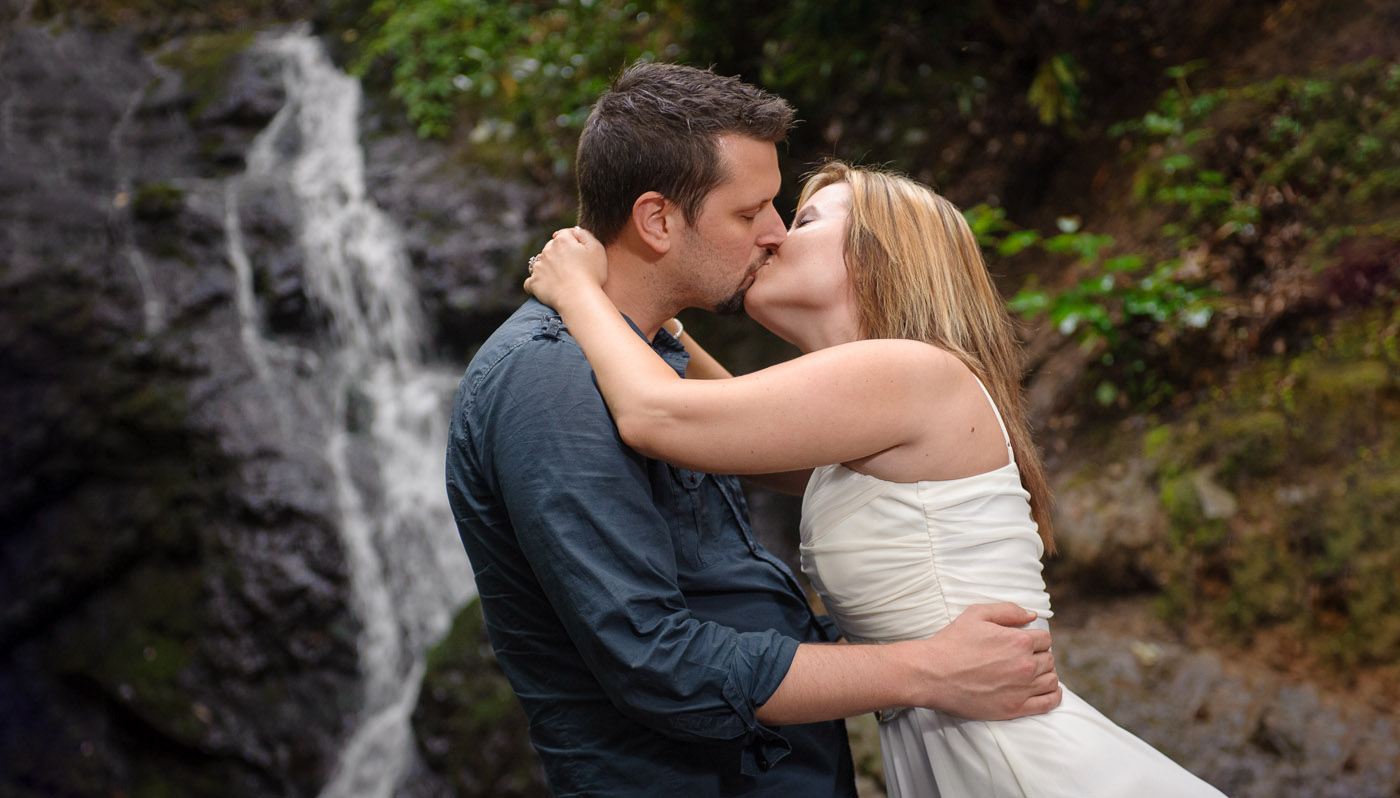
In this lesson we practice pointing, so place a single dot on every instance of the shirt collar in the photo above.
(665, 346)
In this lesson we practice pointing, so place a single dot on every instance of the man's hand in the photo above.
(981, 666)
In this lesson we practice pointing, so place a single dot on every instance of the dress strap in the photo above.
(1005, 436)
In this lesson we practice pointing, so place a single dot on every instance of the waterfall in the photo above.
(119, 220)
(408, 571)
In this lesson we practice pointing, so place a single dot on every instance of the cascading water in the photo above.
(408, 571)
(119, 219)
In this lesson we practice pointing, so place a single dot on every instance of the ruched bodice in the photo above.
(900, 560)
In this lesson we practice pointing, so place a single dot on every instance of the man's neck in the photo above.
(635, 288)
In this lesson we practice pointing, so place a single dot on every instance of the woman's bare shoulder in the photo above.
(918, 357)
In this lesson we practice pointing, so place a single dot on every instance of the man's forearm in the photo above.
(981, 666)
(828, 681)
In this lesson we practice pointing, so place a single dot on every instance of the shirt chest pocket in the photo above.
(693, 522)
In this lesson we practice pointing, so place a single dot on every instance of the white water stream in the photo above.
(408, 571)
(152, 306)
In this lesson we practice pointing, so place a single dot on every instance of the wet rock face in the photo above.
(176, 613)
(468, 236)
(173, 604)
(1250, 733)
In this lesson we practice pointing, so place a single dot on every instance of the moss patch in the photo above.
(204, 60)
(1310, 447)
(157, 201)
(157, 21)
(469, 726)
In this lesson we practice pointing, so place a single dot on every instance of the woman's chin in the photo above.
(754, 307)
(758, 312)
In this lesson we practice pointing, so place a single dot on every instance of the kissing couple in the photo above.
(657, 648)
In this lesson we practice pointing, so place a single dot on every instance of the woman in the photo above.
(933, 503)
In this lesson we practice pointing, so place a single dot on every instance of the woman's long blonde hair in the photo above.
(917, 273)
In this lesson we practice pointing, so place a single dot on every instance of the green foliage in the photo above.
(520, 76)
(1323, 150)
(1254, 190)
(1109, 306)
(895, 79)
(1055, 92)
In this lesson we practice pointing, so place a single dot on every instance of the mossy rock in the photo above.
(1309, 447)
(469, 726)
(157, 201)
(204, 62)
(1178, 497)
(1253, 444)
(1267, 583)
(157, 21)
(1335, 383)
(1340, 406)
(144, 646)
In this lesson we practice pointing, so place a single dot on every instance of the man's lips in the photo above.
(753, 273)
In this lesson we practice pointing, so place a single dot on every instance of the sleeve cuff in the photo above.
(763, 747)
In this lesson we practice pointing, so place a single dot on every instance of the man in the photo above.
(656, 647)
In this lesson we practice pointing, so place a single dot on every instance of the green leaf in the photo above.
(1179, 162)
(1028, 302)
(1124, 263)
(1106, 394)
(1017, 241)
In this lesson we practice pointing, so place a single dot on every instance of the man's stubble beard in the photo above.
(734, 305)
(700, 261)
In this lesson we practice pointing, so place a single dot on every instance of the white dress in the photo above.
(899, 561)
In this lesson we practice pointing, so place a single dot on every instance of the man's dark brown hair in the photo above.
(655, 130)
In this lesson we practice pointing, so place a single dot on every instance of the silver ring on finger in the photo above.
(531, 263)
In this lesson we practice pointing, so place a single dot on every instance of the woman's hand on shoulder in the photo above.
(572, 260)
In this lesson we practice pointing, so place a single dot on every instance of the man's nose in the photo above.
(773, 232)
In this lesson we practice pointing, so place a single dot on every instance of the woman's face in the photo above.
(805, 282)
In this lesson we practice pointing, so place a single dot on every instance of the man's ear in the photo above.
(655, 219)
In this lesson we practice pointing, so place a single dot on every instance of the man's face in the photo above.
(736, 229)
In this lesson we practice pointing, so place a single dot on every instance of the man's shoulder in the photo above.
(526, 346)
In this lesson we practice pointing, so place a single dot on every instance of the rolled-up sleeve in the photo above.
(582, 506)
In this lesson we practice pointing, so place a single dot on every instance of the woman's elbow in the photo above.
(634, 429)
(641, 430)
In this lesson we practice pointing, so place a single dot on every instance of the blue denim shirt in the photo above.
(637, 618)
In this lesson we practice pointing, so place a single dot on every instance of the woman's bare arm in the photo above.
(704, 366)
(838, 404)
